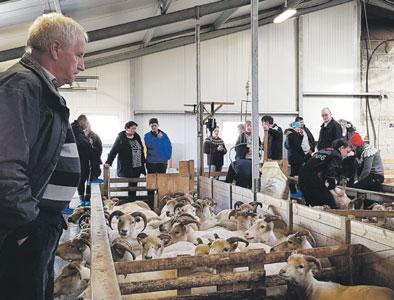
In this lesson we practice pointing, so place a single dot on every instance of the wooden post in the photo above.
(265, 145)
(181, 272)
(258, 267)
(221, 270)
(290, 216)
(231, 196)
(348, 241)
(106, 181)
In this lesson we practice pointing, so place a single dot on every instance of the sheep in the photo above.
(77, 249)
(300, 240)
(299, 272)
(219, 246)
(136, 206)
(77, 213)
(158, 246)
(263, 230)
(121, 250)
(386, 222)
(127, 222)
(342, 201)
(74, 278)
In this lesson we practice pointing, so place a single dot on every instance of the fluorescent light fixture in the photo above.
(288, 13)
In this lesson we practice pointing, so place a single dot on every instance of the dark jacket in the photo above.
(311, 139)
(328, 134)
(122, 148)
(33, 122)
(214, 156)
(83, 144)
(295, 154)
(97, 150)
(350, 130)
(275, 143)
(325, 164)
(242, 146)
(241, 172)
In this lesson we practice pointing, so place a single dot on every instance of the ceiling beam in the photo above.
(206, 36)
(164, 5)
(219, 22)
(144, 24)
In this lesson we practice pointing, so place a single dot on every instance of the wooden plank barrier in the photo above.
(225, 279)
(103, 281)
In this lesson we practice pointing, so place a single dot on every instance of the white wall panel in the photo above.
(112, 96)
(331, 62)
(167, 79)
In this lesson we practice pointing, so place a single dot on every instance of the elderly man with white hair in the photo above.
(330, 130)
(39, 164)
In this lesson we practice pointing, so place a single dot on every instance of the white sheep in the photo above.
(299, 272)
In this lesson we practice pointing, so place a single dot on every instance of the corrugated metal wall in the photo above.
(331, 63)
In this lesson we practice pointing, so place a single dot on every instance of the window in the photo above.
(106, 126)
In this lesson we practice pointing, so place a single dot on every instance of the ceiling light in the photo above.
(288, 13)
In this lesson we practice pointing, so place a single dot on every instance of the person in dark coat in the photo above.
(240, 171)
(330, 130)
(39, 163)
(275, 138)
(311, 139)
(97, 150)
(320, 175)
(130, 151)
(84, 150)
(215, 149)
(295, 153)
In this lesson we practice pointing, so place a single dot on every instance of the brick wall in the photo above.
(381, 78)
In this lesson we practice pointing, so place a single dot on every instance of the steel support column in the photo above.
(255, 96)
(200, 125)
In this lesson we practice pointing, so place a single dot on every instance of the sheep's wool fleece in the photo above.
(273, 181)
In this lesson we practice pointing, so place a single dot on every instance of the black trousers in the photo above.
(85, 172)
(152, 169)
(26, 271)
(134, 173)
(314, 191)
(372, 183)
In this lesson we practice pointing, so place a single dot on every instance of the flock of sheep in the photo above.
(189, 226)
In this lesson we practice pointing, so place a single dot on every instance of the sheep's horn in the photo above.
(314, 260)
(307, 234)
(116, 213)
(178, 205)
(84, 218)
(199, 241)
(142, 215)
(271, 218)
(232, 213)
(141, 236)
(124, 245)
(238, 204)
(216, 236)
(256, 204)
(236, 239)
(187, 222)
(197, 205)
(184, 214)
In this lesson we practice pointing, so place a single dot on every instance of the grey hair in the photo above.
(53, 27)
(326, 108)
